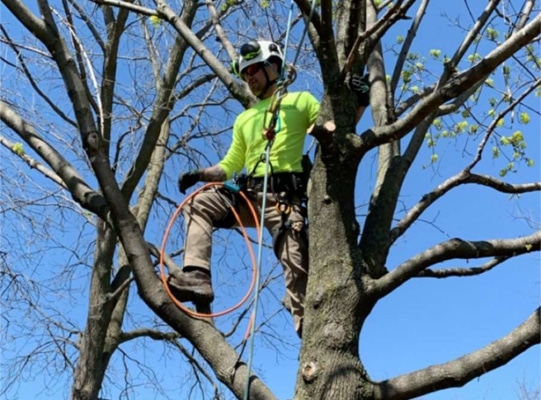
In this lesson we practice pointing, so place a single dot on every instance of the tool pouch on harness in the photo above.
(298, 227)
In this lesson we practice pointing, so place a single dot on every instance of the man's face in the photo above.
(255, 77)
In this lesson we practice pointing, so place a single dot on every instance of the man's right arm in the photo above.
(210, 174)
(213, 174)
(232, 162)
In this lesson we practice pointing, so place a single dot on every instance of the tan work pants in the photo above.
(212, 205)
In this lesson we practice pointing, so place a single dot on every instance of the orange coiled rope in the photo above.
(163, 276)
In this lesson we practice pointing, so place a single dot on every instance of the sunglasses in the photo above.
(251, 70)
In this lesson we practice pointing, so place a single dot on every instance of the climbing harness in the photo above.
(284, 202)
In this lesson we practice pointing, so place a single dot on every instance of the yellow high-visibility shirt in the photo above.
(298, 111)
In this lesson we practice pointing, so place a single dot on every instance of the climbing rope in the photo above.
(269, 133)
(269, 127)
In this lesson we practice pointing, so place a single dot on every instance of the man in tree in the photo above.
(260, 66)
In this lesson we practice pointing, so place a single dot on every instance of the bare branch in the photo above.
(128, 6)
(463, 177)
(445, 273)
(215, 17)
(150, 333)
(88, 23)
(453, 249)
(32, 163)
(503, 187)
(458, 372)
(79, 189)
(165, 12)
(32, 81)
(198, 368)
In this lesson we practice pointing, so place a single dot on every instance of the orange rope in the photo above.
(163, 277)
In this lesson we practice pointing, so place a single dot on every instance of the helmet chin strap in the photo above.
(268, 85)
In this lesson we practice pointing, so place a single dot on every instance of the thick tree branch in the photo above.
(525, 13)
(154, 334)
(353, 18)
(458, 372)
(376, 31)
(220, 31)
(390, 168)
(26, 17)
(323, 134)
(315, 21)
(110, 65)
(456, 249)
(503, 187)
(328, 40)
(164, 103)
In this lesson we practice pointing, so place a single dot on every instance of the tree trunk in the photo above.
(91, 365)
(329, 361)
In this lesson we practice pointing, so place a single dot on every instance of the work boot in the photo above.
(194, 286)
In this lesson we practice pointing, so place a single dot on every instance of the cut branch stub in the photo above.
(310, 371)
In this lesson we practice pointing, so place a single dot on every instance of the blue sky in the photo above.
(426, 321)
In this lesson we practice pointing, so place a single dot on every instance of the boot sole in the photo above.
(190, 295)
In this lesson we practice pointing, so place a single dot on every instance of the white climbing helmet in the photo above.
(255, 52)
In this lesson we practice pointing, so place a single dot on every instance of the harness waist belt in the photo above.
(280, 182)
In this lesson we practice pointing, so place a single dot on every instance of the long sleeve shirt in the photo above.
(298, 111)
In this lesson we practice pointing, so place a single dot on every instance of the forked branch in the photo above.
(462, 178)
(455, 249)
(448, 272)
